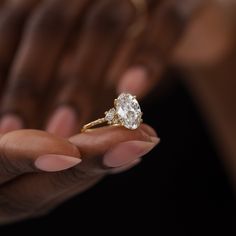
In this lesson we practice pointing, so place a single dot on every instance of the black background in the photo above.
(180, 187)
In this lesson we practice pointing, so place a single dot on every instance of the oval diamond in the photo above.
(128, 111)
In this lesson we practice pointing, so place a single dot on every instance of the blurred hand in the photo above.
(54, 54)
(61, 63)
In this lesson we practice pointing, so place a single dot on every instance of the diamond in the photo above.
(109, 115)
(128, 111)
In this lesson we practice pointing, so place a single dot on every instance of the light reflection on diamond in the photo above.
(128, 111)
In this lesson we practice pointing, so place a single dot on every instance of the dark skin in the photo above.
(66, 64)
(79, 71)
(53, 188)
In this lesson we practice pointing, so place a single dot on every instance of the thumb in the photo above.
(24, 151)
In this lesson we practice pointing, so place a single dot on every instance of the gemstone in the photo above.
(128, 111)
(109, 115)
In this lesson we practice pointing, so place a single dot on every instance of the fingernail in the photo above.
(62, 122)
(155, 140)
(133, 81)
(9, 123)
(127, 152)
(149, 130)
(53, 162)
(127, 167)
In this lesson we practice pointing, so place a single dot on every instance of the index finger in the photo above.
(25, 151)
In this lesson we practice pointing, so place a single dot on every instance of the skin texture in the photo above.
(39, 191)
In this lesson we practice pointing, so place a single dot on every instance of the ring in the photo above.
(126, 112)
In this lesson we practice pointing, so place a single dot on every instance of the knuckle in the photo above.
(110, 18)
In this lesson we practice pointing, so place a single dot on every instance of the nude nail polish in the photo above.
(126, 152)
(53, 162)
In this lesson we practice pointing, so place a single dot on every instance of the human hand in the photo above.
(147, 56)
(36, 178)
(49, 27)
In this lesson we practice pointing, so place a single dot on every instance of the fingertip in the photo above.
(134, 81)
(10, 122)
(126, 152)
(62, 122)
(55, 162)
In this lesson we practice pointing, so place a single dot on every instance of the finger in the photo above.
(127, 167)
(27, 151)
(42, 43)
(144, 10)
(99, 147)
(152, 55)
(105, 25)
(12, 18)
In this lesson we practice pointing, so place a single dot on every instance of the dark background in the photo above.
(180, 187)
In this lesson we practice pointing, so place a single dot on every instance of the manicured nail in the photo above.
(9, 123)
(155, 140)
(53, 162)
(133, 81)
(127, 167)
(126, 152)
(62, 122)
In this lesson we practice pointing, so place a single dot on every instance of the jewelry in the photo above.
(126, 112)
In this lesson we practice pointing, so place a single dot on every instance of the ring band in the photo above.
(126, 113)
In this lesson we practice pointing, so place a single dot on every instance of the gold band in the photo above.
(93, 123)
(126, 112)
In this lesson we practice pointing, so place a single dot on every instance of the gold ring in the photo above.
(126, 112)
(142, 14)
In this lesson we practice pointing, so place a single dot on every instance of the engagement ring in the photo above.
(126, 112)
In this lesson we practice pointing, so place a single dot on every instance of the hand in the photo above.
(49, 27)
(33, 62)
(37, 177)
